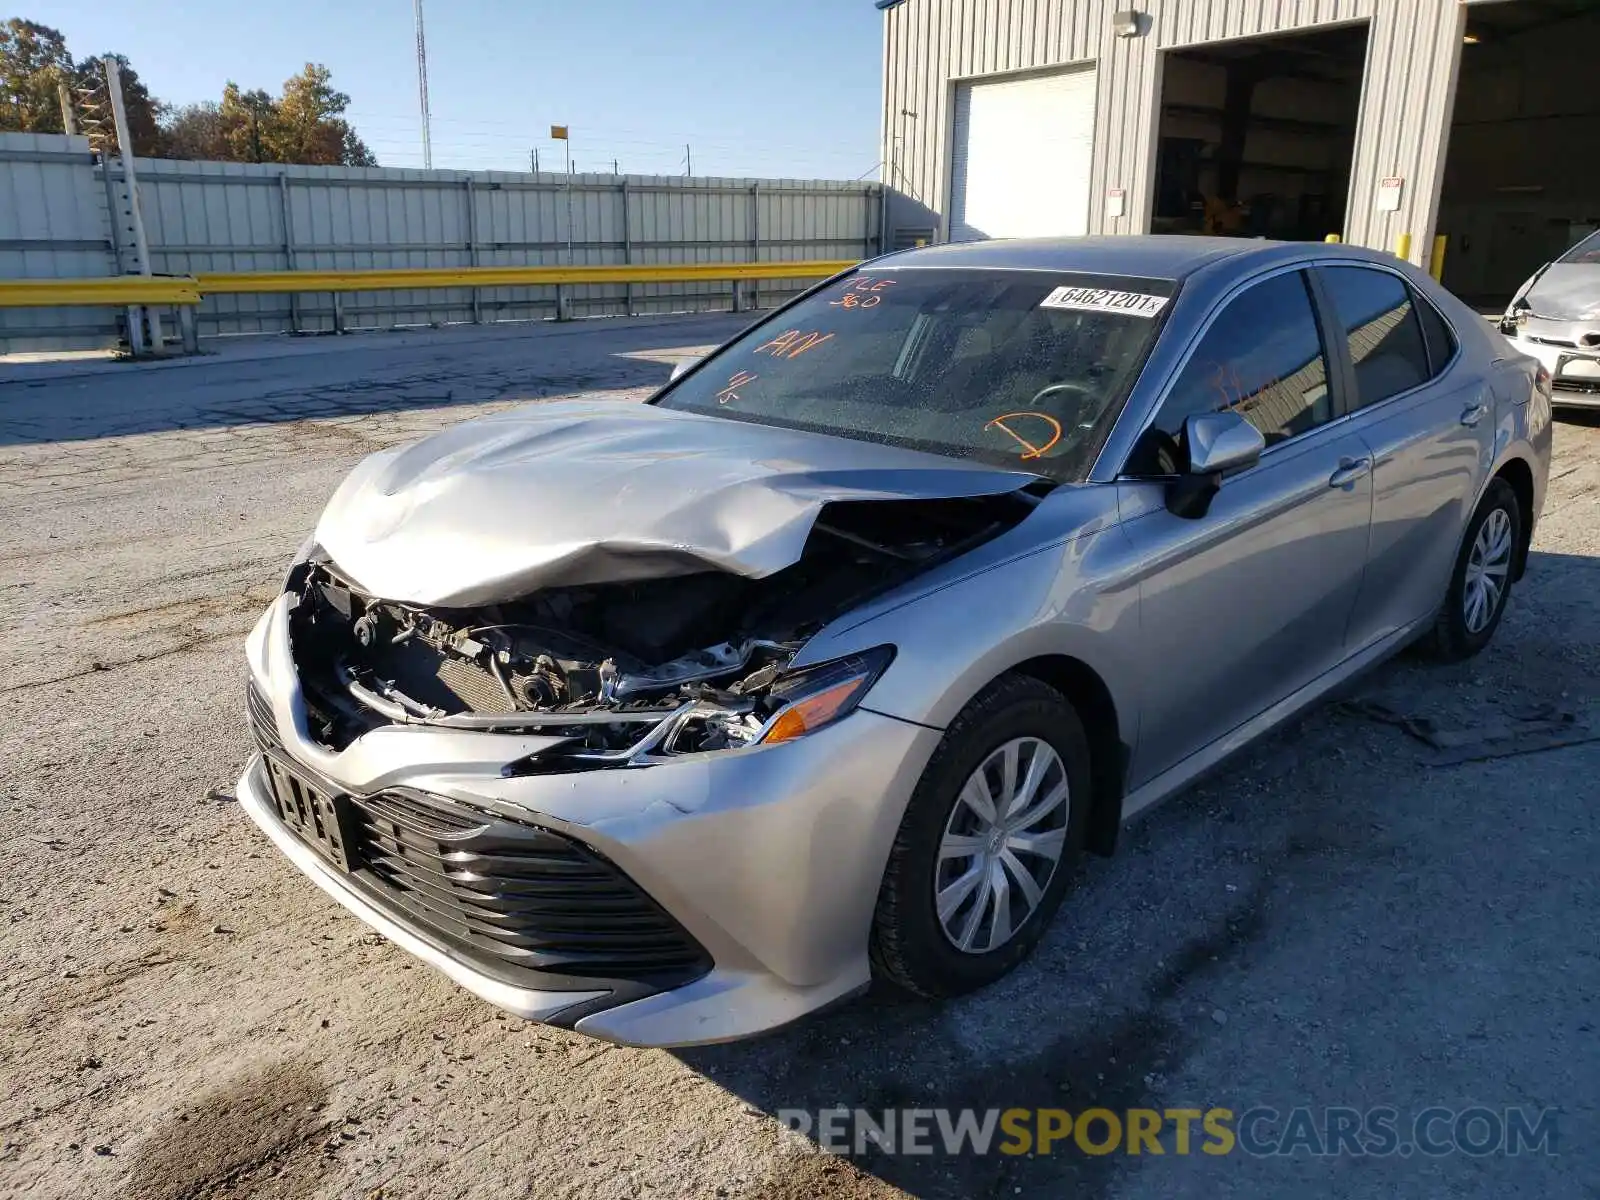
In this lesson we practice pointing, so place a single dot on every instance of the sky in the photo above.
(762, 88)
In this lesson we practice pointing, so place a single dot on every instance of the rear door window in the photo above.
(1441, 342)
(1381, 328)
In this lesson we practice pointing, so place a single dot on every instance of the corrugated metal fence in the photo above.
(54, 224)
(204, 216)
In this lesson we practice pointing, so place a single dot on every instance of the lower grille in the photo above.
(514, 895)
(263, 724)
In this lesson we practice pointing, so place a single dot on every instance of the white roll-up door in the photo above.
(1021, 156)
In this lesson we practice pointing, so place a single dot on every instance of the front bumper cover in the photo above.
(1574, 371)
(527, 1002)
(770, 857)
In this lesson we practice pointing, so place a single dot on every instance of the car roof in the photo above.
(1152, 256)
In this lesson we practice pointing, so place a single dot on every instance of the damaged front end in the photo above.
(633, 672)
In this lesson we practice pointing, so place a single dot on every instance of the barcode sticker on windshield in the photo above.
(1135, 304)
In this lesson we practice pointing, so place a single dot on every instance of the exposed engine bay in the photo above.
(624, 671)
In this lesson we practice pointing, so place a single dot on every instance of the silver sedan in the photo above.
(1555, 317)
(673, 722)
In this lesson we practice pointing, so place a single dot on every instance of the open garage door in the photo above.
(1522, 175)
(1258, 134)
(1021, 156)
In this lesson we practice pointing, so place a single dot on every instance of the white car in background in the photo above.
(1555, 317)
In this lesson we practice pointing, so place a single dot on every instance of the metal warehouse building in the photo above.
(1384, 122)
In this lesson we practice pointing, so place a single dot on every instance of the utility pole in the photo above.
(533, 159)
(563, 134)
(69, 119)
(688, 160)
(614, 169)
(422, 89)
(119, 114)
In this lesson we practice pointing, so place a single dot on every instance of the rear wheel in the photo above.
(987, 846)
(1481, 582)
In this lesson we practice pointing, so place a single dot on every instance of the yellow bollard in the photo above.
(1402, 247)
(1436, 263)
(1333, 237)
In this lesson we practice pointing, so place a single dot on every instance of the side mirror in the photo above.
(681, 368)
(1217, 443)
(1220, 442)
(1515, 316)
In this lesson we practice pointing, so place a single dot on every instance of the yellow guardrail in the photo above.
(115, 289)
(242, 282)
(183, 289)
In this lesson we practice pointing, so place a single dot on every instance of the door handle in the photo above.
(1350, 470)
(1473, 413)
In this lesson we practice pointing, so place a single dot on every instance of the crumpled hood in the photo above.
(599, 491)
(1567, 292)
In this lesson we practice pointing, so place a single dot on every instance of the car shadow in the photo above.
(1072, 1029)
(365, 375)
(1163, 980)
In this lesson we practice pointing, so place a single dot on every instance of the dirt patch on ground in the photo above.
(259, 1135)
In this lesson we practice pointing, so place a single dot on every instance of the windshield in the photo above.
(1586, 251)
(1018, 368)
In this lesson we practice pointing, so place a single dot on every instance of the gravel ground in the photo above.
(1331, 920)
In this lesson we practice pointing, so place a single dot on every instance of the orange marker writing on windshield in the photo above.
(792, 343)
(1029, 450)
(861, 293)
(731, 392)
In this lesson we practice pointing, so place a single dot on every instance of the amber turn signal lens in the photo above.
(813, 712)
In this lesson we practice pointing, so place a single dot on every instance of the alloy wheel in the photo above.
(1488, 566)
(1001, 845)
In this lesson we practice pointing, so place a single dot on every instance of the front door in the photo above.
(1247, 604)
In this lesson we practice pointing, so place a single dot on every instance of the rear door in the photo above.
(1242, 607)
(1428, 424)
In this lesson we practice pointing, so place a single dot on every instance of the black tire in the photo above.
(1450, 639)
(908, 946)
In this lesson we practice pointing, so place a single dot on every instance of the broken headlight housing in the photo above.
(806, 700)
(796, 703)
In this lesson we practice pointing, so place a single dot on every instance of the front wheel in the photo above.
(1481, 582)
(988, 843)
